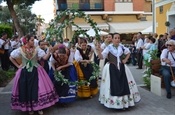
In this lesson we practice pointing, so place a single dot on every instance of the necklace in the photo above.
(29, 51)
(115, 46)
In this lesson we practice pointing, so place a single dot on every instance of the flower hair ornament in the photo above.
(61, 46)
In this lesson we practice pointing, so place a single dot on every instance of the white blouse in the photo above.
(1, 42)
(6, 46)
(15, 44)
(17, 53)
(117, 52)
(78, 56)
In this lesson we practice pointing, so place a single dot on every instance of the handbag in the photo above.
(173, 81)
(2, 51)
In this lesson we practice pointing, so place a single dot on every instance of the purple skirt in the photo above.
(39, 95)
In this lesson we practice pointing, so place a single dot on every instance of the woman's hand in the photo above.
(167, 61)
(19, 66)
(58, 68)
(51, 49)
(124, 61)
(88, 61)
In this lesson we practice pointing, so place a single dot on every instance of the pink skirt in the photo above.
(47, 95)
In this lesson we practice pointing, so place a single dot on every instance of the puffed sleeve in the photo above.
(41, 52)
(103, 46)
(77, 56)
(126, 50)
(105, 52)
(1, 42)
(52, 60)
(71, 57)
(16, 53)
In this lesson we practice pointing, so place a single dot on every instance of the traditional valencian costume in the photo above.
(32, 90)
(118, 89)
(66, 92)
(84, 72)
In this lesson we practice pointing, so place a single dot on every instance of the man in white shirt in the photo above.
(139, 44)
(5, 44)
(168, 62)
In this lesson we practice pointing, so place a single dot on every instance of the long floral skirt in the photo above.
(32, 91)
(122, 98)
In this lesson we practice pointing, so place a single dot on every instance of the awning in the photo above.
(92, 33)
(147, 30)
(86, 26)
(129, 27)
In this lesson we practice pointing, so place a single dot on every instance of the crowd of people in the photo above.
(165, 45)
(36, 61)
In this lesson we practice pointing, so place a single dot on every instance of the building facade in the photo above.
(122, 16)
(164, 16)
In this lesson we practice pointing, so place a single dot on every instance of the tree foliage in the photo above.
(26, 18)
(5, 16)
(7, 29)
(17, 2)
(10, 4)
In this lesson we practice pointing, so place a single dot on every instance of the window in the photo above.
(160, 9)
(82, 5)
(84, 1)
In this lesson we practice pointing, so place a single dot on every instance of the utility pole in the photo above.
(153, 14)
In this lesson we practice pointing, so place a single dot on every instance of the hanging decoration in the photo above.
(95, 75)
(66, 18)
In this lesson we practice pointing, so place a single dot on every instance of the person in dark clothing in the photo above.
(44, 63)
(161, 43)
(5, 45)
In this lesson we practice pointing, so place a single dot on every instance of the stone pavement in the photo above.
(150, 104)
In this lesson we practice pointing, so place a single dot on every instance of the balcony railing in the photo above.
(123, 1)
(82, 6)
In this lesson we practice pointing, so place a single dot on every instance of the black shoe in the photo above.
(168, 95)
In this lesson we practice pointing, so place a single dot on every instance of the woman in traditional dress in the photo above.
(62, 60)
(118, 89)
(84, 70)
(32, 89)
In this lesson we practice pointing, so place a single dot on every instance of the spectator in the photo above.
(167, 60)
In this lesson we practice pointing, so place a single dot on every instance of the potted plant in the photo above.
(152, 67)
(154, 62)
(167, 23)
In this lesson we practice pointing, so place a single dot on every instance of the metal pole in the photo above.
(153, 14)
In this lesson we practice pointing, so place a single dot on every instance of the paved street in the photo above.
(150, 104)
